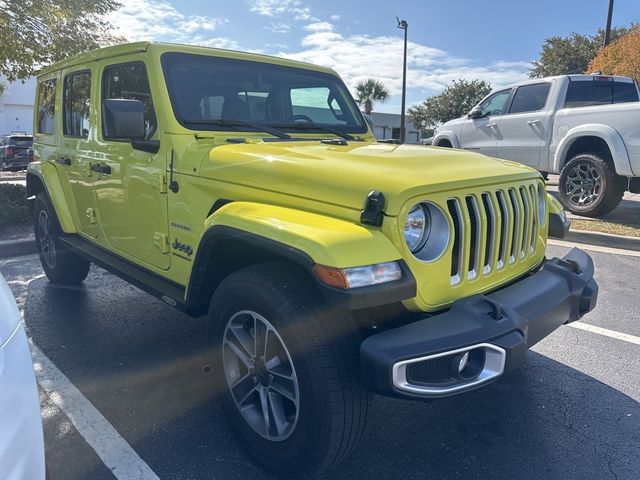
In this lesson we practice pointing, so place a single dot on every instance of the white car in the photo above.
(584, 127)
(21, 437)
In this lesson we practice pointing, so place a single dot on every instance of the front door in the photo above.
(481, 134)
(131, 190)
(524, 126)
(77, 145)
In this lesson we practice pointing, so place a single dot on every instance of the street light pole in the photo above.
(403, 25)
(607, 30)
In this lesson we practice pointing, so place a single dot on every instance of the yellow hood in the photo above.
(344, 174)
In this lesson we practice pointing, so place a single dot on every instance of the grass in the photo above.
(605, 227)
(14, 208)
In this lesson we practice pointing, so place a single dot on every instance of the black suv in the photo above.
(16, 151)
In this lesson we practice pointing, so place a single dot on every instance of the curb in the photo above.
(12, 179)
(603, 239)
(15, 248)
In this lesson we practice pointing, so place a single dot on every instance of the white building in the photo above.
(387, 125)
(16, 106)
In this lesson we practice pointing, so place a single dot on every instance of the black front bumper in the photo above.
(504, 323)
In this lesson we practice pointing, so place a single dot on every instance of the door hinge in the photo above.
(91, 215)
(161, 241)
(161, 182)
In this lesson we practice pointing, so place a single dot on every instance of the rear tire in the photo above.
(60, 264)
(589, 186)
(322, 416)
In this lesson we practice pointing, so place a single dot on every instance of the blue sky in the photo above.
(492, 39)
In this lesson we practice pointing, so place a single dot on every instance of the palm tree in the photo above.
(369, 91)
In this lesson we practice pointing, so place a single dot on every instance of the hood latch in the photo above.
(373, 214)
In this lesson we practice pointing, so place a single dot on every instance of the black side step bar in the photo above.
(169, 292)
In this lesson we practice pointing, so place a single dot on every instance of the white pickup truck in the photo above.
(585, 127)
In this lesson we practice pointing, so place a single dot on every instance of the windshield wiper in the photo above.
(238, 123)
(314, 126)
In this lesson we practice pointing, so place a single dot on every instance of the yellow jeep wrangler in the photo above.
(250, 190)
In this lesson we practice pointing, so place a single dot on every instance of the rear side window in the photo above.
(46, 107)
(130, 82)
(599, 92)
(75, 106)
(530, 98)
(624, 92)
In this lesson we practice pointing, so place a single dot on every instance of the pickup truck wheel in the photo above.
(286, 366)
(589, 186)
(59, 263)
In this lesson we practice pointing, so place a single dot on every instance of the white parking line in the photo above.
(625, 337)
(113, 450)
(594, 248)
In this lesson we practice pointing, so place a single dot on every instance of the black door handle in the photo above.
(101, 168)
(64, 161)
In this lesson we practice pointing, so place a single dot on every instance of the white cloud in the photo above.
(159, 20)
(358, 57)
(278, 27)
(319, 27)
(276, 8)
(335, 18)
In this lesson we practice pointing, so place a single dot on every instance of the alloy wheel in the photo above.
(261, 376)
(583, 185)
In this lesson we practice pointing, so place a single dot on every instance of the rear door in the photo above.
(481, 134)
(132, 193)
(77, 145)
(523, 126)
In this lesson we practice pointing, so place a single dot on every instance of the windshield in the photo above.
(21, 141)
(210, 93)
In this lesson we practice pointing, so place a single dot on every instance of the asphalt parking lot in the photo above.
(134, 385)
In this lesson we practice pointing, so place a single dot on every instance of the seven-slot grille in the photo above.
(492, 230)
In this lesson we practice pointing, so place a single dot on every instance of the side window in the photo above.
(75, 104)
(583, 93)
(624, 92)
(46, 107)
(494, 105)
(530, 98)
(130, 81)
(316, 103)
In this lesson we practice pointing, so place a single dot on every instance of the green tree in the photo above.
(369, 91)
(572, 54)
(35, 33)
(455, 100)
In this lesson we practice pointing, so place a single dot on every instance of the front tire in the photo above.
(61, 265)
(589, 186)
(287, 370)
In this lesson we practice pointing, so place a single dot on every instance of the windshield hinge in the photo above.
(372, 213)
(161, 182)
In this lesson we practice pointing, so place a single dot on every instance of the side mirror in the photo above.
(369, 120)
(475, 113)
(123, 119)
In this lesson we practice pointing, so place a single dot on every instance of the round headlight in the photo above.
(542, 205)
(416, 228)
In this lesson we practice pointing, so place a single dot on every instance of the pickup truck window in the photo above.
(75, 106)
(203, 88)
(46, 107)
(129, 81)
(530, 98)
(584, 93)
(494, 105)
